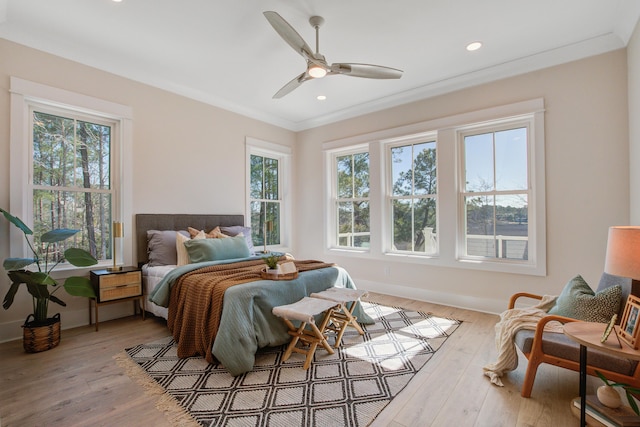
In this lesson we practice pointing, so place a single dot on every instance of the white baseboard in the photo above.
(485, 305)
(12, 330)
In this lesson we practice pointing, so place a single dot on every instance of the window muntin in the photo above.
(71, 179)
(265, 199)
(413, 197)
(496, 192)
(353, 229)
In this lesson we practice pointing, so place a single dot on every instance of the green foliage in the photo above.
(272, 261)
(39, 281)
(630, 391)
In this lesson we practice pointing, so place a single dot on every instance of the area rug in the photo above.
(348, 388)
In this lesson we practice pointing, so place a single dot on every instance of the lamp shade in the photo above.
(623, 252)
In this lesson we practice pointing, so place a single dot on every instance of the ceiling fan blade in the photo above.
(289, 34)
(366, 70)
(293, 84)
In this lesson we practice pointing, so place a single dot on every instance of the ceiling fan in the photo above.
(317, 65)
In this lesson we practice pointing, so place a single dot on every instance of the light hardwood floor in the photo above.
(79, 384)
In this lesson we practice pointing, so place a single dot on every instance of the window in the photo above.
(352, 200)
(464, 191)
(70, 155)
(413, 197)
(71, 185)
(268, 164)
(496, 192)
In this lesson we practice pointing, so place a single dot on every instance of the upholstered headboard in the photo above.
(146, 222)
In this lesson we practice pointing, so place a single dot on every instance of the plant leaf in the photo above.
(11, 293)
(35, 277)
(57, 300)
(632, 403)
(37, 290)
(17, 263)
(17, 222)
(79, 286)
(58, 235)
(79, 257)
(603, 378)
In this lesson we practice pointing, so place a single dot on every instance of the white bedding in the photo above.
(150, 278)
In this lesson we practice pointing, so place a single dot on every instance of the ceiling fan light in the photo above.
(317, 72)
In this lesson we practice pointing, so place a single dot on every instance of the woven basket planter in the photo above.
(41, 336)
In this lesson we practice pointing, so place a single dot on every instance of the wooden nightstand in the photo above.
(117, 286)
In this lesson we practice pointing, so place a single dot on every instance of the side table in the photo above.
(588, 335)
(116, 286)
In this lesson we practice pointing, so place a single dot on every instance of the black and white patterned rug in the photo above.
(348, 388)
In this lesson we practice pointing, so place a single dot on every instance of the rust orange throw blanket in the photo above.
(195, 304)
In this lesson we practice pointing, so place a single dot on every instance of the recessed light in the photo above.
(474, 46)
(321, 97)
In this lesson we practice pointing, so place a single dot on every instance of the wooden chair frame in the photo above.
(537, 356)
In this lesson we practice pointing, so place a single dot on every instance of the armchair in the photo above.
(556, 349)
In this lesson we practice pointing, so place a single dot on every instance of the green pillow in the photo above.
(578, 301)
(201, 250)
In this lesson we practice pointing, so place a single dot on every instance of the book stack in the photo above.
(599, 415)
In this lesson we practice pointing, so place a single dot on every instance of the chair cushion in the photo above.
(578, 301)
(559, 345)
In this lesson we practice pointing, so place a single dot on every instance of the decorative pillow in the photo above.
(578, 301)
(182, 256)
(161, 247)
(213, 234)
(236, 230)
(217, 249)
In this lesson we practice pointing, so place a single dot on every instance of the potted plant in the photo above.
(272, 264)
(43, 332)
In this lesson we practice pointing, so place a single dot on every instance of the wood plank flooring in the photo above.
(79, 384)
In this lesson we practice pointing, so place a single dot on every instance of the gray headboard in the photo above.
(146, 222)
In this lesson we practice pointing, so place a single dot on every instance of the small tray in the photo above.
(288, 276)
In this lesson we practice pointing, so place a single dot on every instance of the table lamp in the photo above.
(117, 232)
(623, 254)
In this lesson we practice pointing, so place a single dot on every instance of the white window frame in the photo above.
(448, 195)
(25, 95)
(491, 127)
(332, 214)
(389, 197)
(283, 154)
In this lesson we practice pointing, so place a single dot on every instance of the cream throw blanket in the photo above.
(511, 321)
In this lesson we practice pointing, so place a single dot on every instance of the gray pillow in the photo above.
(578, 301)
(161, 247)
(234, 230)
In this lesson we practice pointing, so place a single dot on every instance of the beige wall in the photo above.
(188, 156)
(633, 59)
(587, 182)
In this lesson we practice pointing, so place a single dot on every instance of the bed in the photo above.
(245, 322)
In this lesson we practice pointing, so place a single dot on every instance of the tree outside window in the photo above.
(352, 201)
(72, 181)
(265, 200)
(413, 198)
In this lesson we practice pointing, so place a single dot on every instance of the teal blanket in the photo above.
(247, 323)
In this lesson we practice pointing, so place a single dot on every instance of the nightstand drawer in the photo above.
(110, 286)
(117, 280)
(121, 291)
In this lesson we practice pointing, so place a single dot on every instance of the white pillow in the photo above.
(181, 250)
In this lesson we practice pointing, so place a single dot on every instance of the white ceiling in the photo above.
(225, 53)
